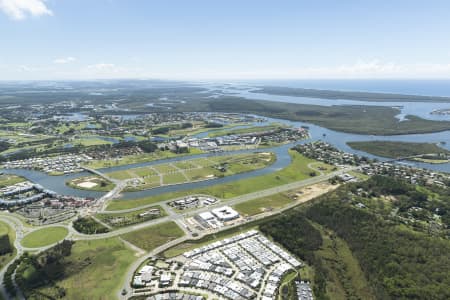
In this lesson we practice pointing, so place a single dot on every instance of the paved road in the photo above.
(262, 193)
(16, 225)
(268, 192)
(174, 216)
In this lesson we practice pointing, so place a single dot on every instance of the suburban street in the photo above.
(172, 215)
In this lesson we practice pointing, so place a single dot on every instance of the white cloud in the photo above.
(102, 67)
(21, 9)
(360, 69)
(25, 68)
(64, 60)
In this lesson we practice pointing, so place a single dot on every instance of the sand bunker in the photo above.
(87, 184)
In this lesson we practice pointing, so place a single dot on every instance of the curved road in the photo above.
(174, 216)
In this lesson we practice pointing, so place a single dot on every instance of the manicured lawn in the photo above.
(254, 207)
(97, 269)
(154, 236)
(296, 171)
(44, 237)
(6, 230)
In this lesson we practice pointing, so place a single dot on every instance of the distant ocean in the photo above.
(412, 87)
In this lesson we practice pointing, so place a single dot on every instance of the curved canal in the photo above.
(283, 159)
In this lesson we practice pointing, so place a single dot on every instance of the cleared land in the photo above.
(94, 270)
(296, 171)
(400, 149)
(44, 237)
(193, 170)
(154, 236)
(254, 207)
(267, 204)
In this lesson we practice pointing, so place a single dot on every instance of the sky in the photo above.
(229, 39)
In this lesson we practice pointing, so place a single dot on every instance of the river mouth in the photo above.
(425, 110)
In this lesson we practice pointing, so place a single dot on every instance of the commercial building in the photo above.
(225, 213)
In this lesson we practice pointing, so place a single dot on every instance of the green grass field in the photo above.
(128, 218)
(134, 159)
(296, 171)
(7, 179)
(91, 141)
(97, 269)
(44, 237)
(254, 207)
(154, 236)
(174, 178)
(5, 229)
(194, 170)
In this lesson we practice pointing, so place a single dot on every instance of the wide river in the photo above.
(338, 139)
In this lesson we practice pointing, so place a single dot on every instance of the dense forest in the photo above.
(397, 259)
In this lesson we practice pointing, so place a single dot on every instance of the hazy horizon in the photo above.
(233, 40)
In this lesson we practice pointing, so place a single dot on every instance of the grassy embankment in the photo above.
(5, 229)
(44, 237)
(296, 171)
(7, 180)
(154, 236)
(129, 218)
(403, 149)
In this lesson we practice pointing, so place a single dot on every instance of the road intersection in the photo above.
(172, 215)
